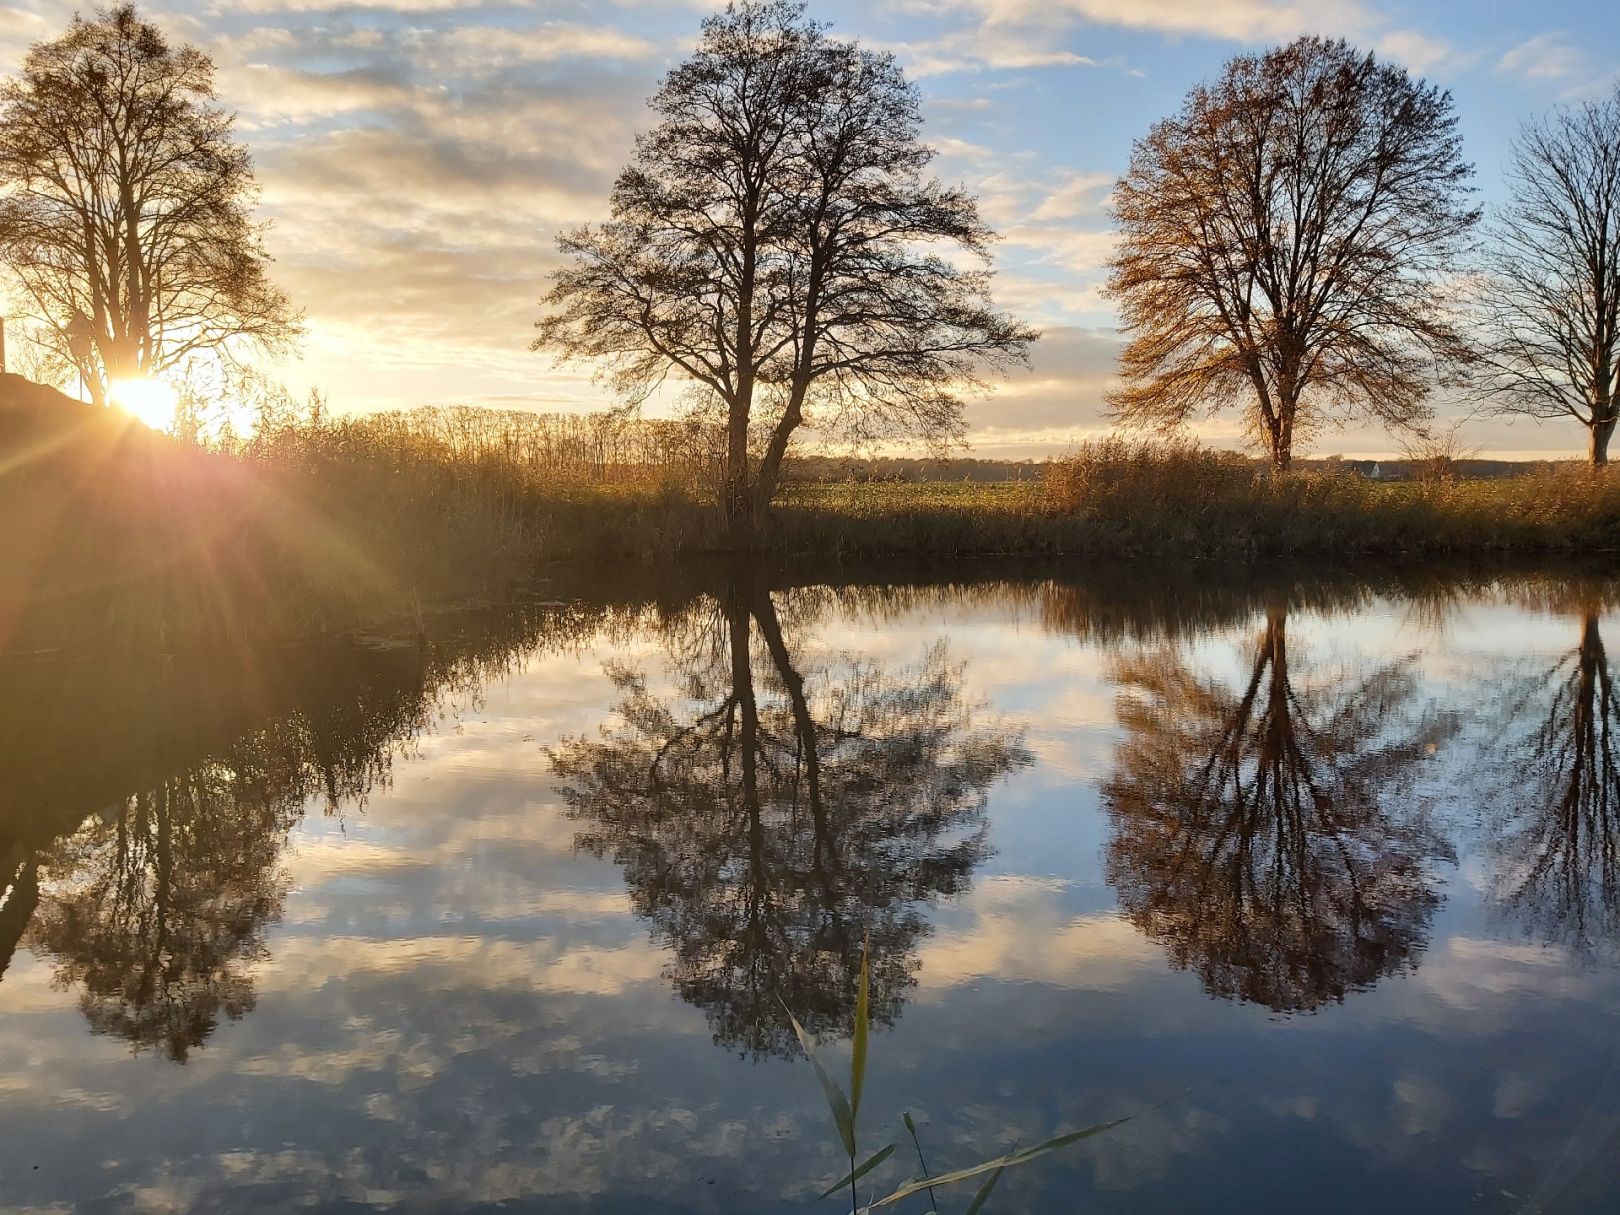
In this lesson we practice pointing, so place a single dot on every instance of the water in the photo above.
(1318, 877)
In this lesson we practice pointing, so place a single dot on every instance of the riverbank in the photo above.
(312, 527)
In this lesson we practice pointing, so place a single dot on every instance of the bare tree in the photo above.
(126, 205)
(1551, 297)
(1438, 455)
(772, 244)
(1283, 239)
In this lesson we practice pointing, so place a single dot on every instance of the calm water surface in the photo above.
(1319, 877)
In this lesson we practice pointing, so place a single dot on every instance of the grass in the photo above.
(314, 524)
(845, 1107)
(1116, 498)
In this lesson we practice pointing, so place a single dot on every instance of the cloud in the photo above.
(1416, 51)
(987, 49)
(1546, 57)
(1003, 28)
(1237, 20)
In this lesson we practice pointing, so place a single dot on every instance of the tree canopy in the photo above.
(1284, 244)
(126, 206)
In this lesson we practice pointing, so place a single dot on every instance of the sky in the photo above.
(418, 157)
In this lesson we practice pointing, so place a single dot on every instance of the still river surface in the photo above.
(1317, 876)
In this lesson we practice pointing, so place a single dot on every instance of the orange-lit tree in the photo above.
(1284, 241)
(126, 205)
(777, 244)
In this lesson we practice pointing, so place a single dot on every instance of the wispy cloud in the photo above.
(1549, 56)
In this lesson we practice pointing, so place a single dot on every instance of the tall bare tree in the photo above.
(1282, 242)
(126, 205)
(1551, 296)
(774, 244)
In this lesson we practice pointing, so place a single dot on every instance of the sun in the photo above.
(150, 402)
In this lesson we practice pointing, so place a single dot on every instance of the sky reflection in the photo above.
(430, 981)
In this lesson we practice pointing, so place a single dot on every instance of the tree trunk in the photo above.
(737, 494)
(770, 467)
(1282, 436)
(1601, 432)
(1276, 417)
(804, 725)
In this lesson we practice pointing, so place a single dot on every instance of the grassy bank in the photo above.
(313, 525)
(1120, 499)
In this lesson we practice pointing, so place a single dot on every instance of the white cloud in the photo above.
(1002, 26)
(1546, 57)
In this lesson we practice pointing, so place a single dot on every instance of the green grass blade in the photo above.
(863, 1018)
(983, 1196)
(836, 1101)
(871, 1163)
(917, 1185)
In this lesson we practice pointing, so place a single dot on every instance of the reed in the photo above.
(845, 1107)
(313, 523)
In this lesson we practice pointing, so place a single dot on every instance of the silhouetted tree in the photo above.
(126, 205)
(1261, 834)
(1281, 244)
(1556, 833)
(770, 244)
(769, 818)
(1551, 292)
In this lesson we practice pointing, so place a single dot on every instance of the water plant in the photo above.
(846, 1107)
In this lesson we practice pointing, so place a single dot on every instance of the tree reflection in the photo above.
(140, 847)
(158, 908)
(1262, 833)
(1556, 837)
(775, 811)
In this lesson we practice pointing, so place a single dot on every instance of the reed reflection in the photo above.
(1555, 837)
(780, 806)
(1264, 833)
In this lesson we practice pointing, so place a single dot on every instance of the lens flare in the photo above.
(150, 402)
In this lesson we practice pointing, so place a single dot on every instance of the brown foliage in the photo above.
(1283, 239)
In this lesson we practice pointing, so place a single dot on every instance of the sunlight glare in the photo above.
(150, 402)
